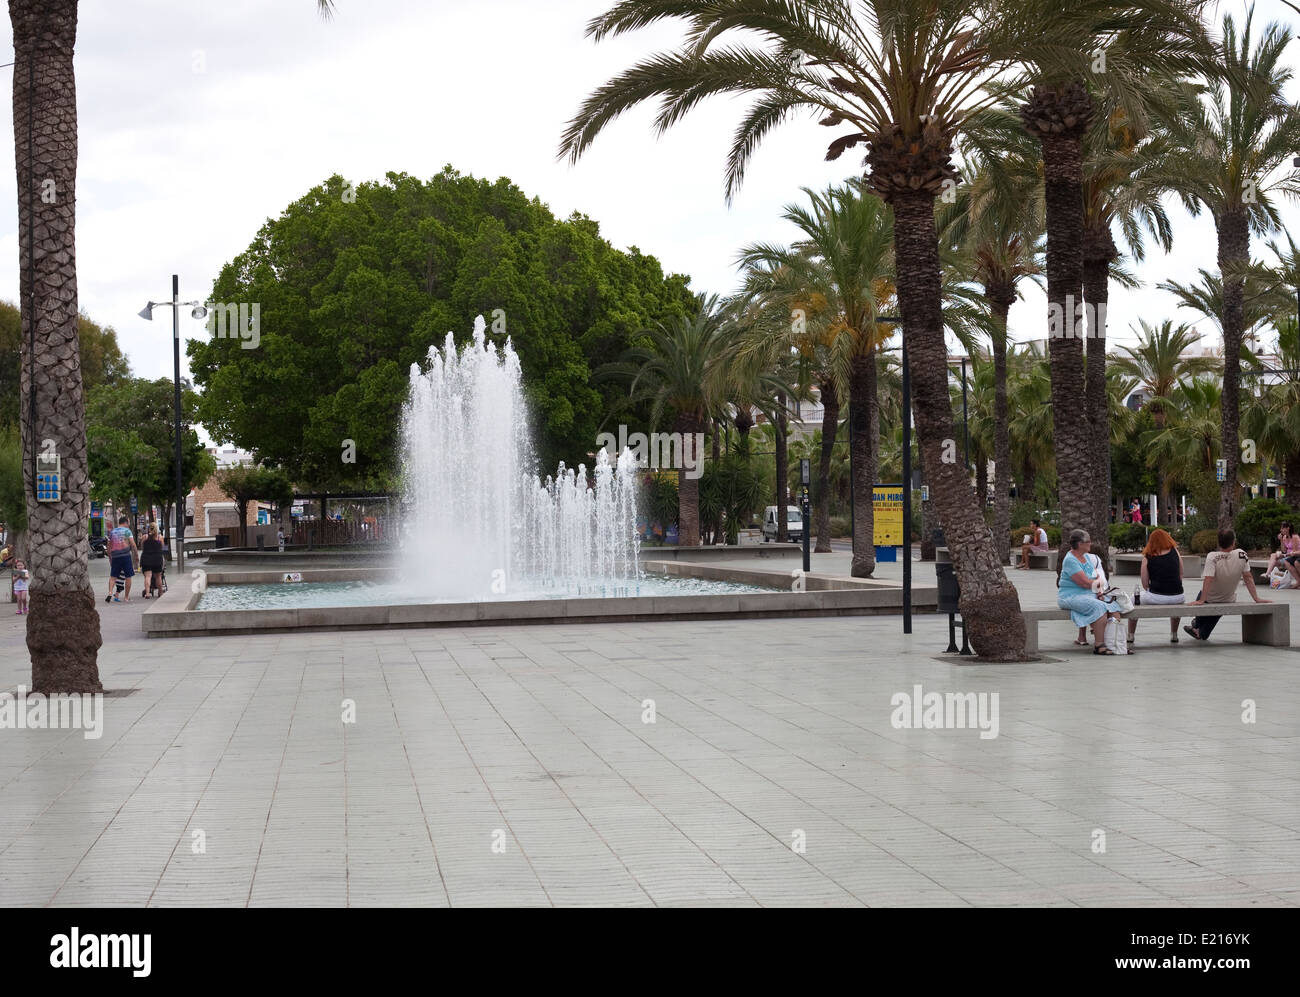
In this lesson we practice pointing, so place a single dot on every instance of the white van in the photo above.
(793, 523)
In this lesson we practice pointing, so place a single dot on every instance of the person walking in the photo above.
(1079, 575)
(121, 560)
(1162, 580)
(151, 561)
(1225, 569)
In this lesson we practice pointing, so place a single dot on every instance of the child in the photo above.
(22, 577)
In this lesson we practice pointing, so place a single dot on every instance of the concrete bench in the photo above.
(1040, 559)
(1131, 564)
(1036, 559)
(1261, 623)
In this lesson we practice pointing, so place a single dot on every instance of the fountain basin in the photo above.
(178, 615)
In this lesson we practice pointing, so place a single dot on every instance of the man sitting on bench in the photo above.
(1225, 569)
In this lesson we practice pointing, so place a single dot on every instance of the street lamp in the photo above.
(199, 311)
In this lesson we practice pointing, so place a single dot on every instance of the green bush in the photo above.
(841, 526)
(1128, 536)
(1258, 521)
(1205, 541)
(1194, 525)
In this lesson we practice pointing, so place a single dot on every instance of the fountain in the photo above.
(479, 523)
(486, 542)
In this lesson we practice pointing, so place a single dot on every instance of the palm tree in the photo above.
(841, 271)
(904, 77)
(1271, 417)
(1160, 362)
(63, 635)
(1190, 441)
(674, 374)
(1001, 235)
(63, 626)
(1224, 148)
(1029, 395)
(1140, 45)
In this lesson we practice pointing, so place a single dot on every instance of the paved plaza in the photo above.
(754, 762)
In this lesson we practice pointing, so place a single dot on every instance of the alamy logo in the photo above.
(229, 320)
(945, 711)
(658, 451)
(1077, 320)
(65, 711)
(91, 951)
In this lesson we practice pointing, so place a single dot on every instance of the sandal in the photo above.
(1173, 638)
(1102, 649)
(1080, 643)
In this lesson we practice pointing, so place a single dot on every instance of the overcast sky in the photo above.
(199, 119)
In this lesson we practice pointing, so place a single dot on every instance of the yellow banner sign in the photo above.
(887, 501)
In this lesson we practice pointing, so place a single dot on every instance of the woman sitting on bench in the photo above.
(1035, 542)
(1075, 592)
(1162, 579)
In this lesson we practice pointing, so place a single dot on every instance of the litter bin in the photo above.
(949, 589)
(222, 541)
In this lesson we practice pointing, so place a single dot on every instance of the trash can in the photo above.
(949, 589)
(221, 541)
(936, 537)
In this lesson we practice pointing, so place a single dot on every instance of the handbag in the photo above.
(1122, 601)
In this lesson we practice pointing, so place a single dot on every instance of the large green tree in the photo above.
(354, 285)
(130, 426)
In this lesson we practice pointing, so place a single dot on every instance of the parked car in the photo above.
(793, 523)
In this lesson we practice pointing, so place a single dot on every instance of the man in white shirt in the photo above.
(1225, 569)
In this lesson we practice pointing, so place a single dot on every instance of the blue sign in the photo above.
(134, 507)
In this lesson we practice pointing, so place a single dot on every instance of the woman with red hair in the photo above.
(1162, 579)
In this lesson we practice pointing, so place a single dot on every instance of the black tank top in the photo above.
(1162, 570)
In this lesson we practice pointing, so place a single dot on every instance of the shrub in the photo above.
(840, 526)
(1194, 525)
(1258, 521)
(1128, 536)
(1205, 541)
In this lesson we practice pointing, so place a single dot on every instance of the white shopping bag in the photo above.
(1117, 636)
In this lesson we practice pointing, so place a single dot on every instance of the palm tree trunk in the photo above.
(1234, 251)
(782, 469)
(1099, 250)
(1000, 298)
(688, 489)
(1059, 118)
(830, 423)
(63, 626)
(715, 528)
(989, 603)
(862, 397)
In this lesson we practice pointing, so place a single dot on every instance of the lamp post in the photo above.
(199, 311)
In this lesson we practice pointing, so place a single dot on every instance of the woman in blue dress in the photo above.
(1076, 593)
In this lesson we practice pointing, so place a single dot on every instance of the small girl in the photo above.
(21, 579)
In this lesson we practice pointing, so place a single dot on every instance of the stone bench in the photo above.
(1261, 623)
(1037, 559)
(1131, 564)
(1046, 560)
